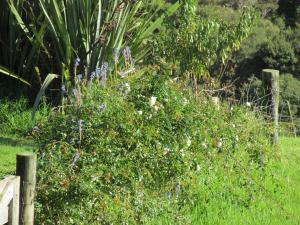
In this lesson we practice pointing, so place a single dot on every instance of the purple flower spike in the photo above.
(116, 55)
(98, 71)
(75, 92)
(102, 107)
(104, 69)
(127, 54)
(76, 157)
(77, 61)
(105, 66)
(63, 88)
(93, 76)
(80, 122)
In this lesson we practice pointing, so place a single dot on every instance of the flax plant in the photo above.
(15, 51)
(89, 29)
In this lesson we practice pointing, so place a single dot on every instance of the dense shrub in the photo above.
(126, 154)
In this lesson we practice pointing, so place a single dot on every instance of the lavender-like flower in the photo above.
(76, 157)
(105, 66)
(140, 198)
(116, 55)
(98, 71)
(93, 76)
(102, 107)
(63, 88)
(75, 92)
(80, 123)
(77, 62)
(104, 70)
(169, 195)
(127, 54)
(178, 189)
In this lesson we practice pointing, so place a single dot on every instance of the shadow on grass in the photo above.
(16, 142)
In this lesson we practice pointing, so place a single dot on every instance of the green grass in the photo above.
(9, 147)
(290, 175)
(277, 203)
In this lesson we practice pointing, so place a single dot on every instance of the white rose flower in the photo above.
(220, 144)
(152, 101)
(185, 101)
(127, 88)
(188, 142)
(166, 151)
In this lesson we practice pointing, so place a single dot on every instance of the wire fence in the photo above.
(289, 109)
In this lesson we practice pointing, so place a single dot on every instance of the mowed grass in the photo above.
(277, 203)
(290, 175)
(9, 147)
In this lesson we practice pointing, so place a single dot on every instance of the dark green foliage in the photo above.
(200, 47)
(278, 54)
(130, 160)
(290, 101)
(271, 45)
(291, 10)
(14, 52)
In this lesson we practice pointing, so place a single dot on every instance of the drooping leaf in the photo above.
(50, 77)
(9, 73)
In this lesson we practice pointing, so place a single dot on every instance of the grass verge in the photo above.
(9, 147)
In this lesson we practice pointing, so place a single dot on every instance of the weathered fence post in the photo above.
(26, 169)
(271, 81)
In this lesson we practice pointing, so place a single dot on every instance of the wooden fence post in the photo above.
(26, 169)
(271, 81)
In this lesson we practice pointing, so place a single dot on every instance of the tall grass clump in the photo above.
(16, 119)
(137, 148)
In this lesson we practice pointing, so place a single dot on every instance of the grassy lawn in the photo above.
(9, 147)
(278, 201)
(289, 172)
(278, 204)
